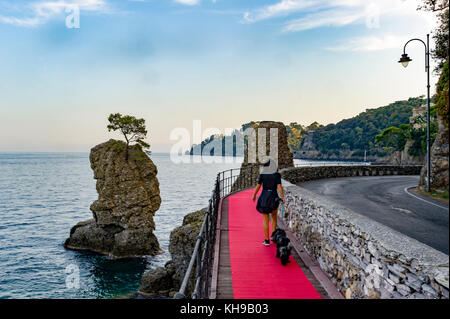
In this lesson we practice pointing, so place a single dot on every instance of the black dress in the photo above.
(268, 201)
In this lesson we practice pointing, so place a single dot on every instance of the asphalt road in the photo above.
(389, 201)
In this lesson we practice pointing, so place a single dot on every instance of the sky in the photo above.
(65, 65)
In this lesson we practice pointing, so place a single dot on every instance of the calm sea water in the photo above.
(42, 195)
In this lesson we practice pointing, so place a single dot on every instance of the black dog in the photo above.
(278, 233)
(283, 247)
(285, 252)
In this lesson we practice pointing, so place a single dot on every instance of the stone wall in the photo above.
(364, 259)
(304, 174)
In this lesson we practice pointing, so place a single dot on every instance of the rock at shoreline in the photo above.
(158, 281)
(167, 280)
(128, 197)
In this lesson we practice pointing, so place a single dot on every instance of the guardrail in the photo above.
(227, 182)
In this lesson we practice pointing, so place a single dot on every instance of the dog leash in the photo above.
(282, 214)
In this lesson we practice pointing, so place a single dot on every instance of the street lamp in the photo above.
(404, 60)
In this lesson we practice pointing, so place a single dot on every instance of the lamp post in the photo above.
(404, 60)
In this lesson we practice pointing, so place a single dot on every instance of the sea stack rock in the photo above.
(128, 197)
(249, 168)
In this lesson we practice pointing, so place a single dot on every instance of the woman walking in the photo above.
(270, 180)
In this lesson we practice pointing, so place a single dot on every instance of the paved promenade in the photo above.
(249, 270)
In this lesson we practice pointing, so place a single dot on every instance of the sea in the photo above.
(42, 195)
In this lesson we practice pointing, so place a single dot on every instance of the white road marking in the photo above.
(406, 191)
(402, 210)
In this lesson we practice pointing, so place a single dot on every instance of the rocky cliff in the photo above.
(128, 197)
(401, 157)
(439, 178)
(166, 281)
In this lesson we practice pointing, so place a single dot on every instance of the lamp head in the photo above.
(404, 60)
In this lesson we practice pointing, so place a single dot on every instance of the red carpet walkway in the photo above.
(256, 272)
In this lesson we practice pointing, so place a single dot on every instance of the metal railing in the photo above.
(201, 261)
(227, 182)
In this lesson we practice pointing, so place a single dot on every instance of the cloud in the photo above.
(24, 22)
(191, 2)
(330, 13)
(188, 2)
(37, 13)
(280, 8)
(371, 43)
(324, 19)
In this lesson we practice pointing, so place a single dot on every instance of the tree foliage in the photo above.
(358, 133)
(395, 138)
(132, 128)
(377, 131)
(441, 33)
(440, 52)
(441, 98)
(295, 134)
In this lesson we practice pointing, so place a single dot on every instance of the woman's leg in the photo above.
(266, 225)
(274, 216)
